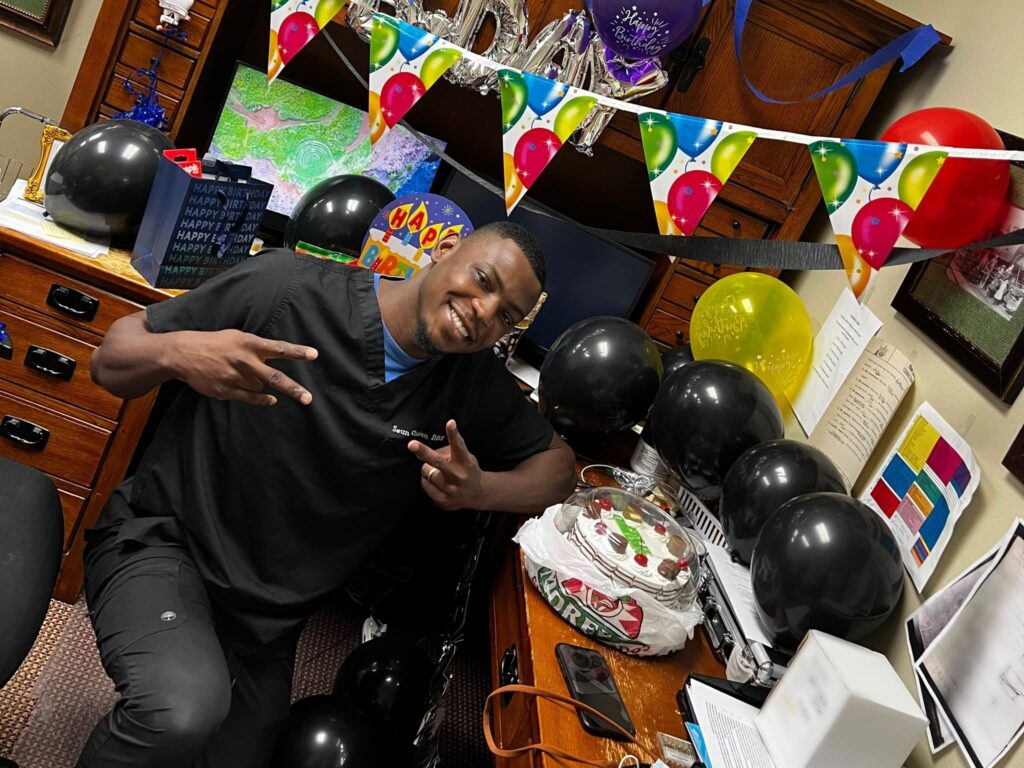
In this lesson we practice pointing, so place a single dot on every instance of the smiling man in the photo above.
(325, 405)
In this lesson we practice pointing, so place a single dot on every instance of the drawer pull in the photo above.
(78, 305)
(51, 363)
(24, 432)
(736, 225)
(679, 337)
(508, 670)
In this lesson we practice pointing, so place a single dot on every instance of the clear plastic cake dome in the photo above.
(633, 542)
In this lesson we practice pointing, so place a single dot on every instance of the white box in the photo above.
(839, 705)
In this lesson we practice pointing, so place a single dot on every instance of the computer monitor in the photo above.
(586, 275)
(293, 138)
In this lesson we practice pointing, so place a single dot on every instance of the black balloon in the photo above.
(325, 732)
(336, 214)
(763, 479)
(100, 179)
(825, 561)
(705, 416)
(676, 358)
(387, 681)
(599, 378)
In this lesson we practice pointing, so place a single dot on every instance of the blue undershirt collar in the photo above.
(396, 360)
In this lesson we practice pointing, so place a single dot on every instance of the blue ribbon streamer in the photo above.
(910, 46)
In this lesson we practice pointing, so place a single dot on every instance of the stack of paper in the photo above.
(28, 218)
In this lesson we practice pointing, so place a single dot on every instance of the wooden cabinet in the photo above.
(57, 306)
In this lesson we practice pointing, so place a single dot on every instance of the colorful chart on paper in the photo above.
(922, 489)
(293, 138)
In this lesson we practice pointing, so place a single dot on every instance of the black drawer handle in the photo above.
(24, 433)
(51, 363)
(736, 225)
(79, 305)
(508, 670)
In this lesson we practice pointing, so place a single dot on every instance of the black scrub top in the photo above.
(279, 505)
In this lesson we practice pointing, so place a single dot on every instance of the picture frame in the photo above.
(1014, 458)
(40, 20)
(971, 303)
(52, 139)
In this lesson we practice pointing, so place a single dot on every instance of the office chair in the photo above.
(31, 538)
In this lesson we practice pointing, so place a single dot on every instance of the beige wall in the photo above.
(39, 78)
(978, 75)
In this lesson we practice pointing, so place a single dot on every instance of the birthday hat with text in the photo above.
(533, 130)
(689, 159)
(404, 62)
(871, 190)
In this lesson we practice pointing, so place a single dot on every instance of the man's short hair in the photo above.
(523, 238)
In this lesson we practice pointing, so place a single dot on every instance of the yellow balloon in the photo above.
(326, 10)
(274, 62)
(513, 186)
(665, 224)
(377, 124)
(759, 322)
(858, 271)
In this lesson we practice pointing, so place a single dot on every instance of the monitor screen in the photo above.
(293, 138)
(586, 275)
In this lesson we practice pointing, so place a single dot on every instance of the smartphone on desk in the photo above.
(590, 682)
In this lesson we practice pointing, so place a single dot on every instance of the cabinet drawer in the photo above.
(668, 329)
(120, 100)
(53, 363)
(55, 295)
(148, 15)
(50, 441)
(684, 291)
(138, 53)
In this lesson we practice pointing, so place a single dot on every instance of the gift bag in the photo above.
(196, 227)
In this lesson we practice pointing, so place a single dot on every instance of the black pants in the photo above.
(186, 698)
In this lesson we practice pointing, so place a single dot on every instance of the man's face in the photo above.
(473, 294)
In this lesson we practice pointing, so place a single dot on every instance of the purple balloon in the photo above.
(877, 226)
(643, 29)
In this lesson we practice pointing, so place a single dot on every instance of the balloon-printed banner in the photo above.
(689, 159)
(293, 23)
(404, 62)
(871, 189)
(538, 116)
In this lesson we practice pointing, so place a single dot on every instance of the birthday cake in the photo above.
(632, 542)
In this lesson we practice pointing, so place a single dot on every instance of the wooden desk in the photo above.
(53, 417)
(521, 618)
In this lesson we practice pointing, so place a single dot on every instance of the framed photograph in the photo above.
(52, 140)
(971, 303)
(42, 20)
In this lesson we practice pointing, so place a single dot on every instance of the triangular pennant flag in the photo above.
(404, 62)
(871, 189)
(538, 115)
(293, 23)
(689, 159)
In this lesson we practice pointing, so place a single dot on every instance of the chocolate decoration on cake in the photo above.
(677, 546)
(669, 569)
(617, 542)
(633, 514)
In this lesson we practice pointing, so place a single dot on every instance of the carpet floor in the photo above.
(49, 707)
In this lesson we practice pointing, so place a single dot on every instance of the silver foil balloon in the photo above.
(360, 13)
(512, 30)
(604, 83)
(559, 50)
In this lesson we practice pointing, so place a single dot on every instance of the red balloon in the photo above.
(964, 201)
(398, 95)
(877, 226)
(534, 151)
(689, 198)
(296, 30)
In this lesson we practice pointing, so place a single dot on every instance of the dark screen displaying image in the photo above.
(586, 276)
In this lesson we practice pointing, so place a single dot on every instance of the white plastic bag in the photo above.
(628, 619)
